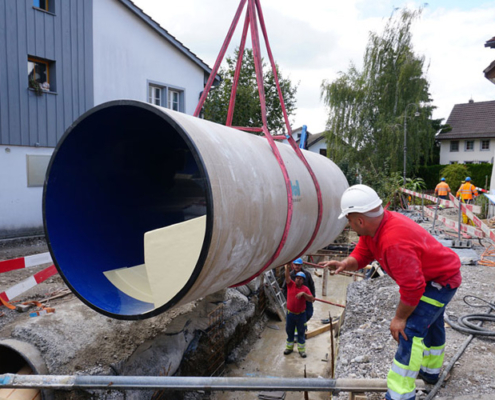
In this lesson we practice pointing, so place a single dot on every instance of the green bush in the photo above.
(479, 173)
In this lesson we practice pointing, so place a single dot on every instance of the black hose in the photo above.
(474, 331)
(464, 324)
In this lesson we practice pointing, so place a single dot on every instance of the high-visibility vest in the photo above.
(466, 191)
(442, 188)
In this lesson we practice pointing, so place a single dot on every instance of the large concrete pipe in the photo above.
(146, 208)
(22, 358)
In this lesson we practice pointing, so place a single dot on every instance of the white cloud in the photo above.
(316, 39)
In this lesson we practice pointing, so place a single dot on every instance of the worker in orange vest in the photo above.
(442, 190)
(467, 191)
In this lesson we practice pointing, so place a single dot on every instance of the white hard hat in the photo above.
(358, 199)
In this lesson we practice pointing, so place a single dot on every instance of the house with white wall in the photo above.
(62, 57)
(472, 138)
(317, 143)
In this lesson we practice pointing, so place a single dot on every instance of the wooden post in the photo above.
(325, 282)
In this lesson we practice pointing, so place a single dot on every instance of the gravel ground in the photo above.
(366, 348)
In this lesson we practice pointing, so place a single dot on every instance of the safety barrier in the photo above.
(28, 283)
(454, 224)
(480, 229)
(478, 222)
(25, 262)
(447, 203)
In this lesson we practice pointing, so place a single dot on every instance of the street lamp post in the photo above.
(416, 114)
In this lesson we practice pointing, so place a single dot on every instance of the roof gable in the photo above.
(490, 43)
(471, 120)
(166, 35)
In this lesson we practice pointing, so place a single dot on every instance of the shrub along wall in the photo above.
(477, 172)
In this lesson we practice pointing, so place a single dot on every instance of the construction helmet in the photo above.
(442, 179)
(298, 261)
(468, 179)
(358, 199)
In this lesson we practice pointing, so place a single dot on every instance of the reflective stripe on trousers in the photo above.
(424, 349)
(432, 360)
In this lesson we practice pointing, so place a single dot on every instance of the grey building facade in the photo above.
(51, 39)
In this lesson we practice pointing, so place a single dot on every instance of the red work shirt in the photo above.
(410, 255)
(296, 305)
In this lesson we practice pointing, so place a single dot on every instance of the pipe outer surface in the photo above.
(208, 201)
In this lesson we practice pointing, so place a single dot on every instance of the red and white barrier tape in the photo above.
(447, 203)
(478, 222)
(25, 262)
(454, 224)
(28, 283)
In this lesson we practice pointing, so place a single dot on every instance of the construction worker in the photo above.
(442, 190)
(428, 275)
(466, 191)
(297, 266)
(297, 296)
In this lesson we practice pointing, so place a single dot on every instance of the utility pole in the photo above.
(416, 114)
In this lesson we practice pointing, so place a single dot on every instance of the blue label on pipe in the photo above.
(296, 191)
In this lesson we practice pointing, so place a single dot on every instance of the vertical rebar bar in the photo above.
(460, 214)
(331, 345)
(435, 216)
(422, 205)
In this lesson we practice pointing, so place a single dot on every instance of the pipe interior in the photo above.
(119, 172)
(15, 361)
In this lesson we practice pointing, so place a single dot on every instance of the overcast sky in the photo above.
(313, 40)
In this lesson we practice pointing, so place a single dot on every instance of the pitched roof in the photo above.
(313, 139)
(166, 35)
(471, 120)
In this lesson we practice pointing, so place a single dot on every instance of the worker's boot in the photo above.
(287, 351)
(427, 379)
(303, 354)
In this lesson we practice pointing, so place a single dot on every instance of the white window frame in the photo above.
(173, 100)
(155, 94)
(481, 145)
(166, 95)
(451, 143)
(466, 145)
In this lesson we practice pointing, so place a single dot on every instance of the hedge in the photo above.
(477, 172)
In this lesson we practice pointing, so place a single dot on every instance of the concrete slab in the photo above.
(266, 359)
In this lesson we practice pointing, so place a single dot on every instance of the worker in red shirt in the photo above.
(442, 190)
(297, 295)
(428, 275)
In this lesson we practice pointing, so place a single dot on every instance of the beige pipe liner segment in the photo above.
(249, 202)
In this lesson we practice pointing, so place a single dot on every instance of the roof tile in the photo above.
(471, 120)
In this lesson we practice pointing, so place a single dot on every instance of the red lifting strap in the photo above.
(254, 11)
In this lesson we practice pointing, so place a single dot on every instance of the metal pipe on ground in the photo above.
(146, 209)
(71, 382)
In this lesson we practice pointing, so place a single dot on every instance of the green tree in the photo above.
(247, 111)
(367, 108)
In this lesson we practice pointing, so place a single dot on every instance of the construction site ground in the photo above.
(364, 347)
(266, 358)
